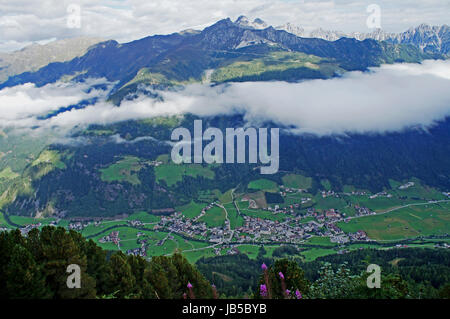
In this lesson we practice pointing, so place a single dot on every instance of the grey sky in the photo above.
(25, 21)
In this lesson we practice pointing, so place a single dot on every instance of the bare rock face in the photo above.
(257, 24)
(36, 56)
(430, 39)
(292, 28)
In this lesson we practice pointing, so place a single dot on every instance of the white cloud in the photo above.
(20, 106)
(389, 98)
(26, 21)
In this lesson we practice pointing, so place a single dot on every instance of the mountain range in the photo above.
(103, 177)
(235, 51)
(432, 39)
(36, 56)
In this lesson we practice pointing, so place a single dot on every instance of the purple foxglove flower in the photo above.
(189, 285)
(281, 275)
(264, 267)
(298, 294)
(263, 290)
(288, 292)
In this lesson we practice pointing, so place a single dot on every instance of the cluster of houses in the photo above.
(381, 194)
(359, 236)
(78, 226)
(155, 163)
(288, 190)
(332, 229)
(289, 209)
(113, 237)
(258, 229)
(329, 193)
(142, 249)
(178, 223)
(25, 230)
(220, 234)
(135, 223)
(292, 230)
(407, 185)
(340, 239)
(356, 193)
(363, 211)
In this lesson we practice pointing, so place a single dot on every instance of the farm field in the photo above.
(144, 217)
(417, 191)
(172, 173)
(191, 210)
(297, 181)
(320, 241)
(258, 197)
(263, 214)
(314, 253)
(93, 230)
(410, 222)
(123, 170)
(379, 204)
(250, 250)
(23, 221)
(263, 184)
(235, 219)
(329, 203)
(387, 227)
(214, 217)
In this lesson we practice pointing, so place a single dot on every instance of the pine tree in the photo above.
(121, 277)
(24, 277)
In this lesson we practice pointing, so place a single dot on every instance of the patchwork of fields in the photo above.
(417, 216)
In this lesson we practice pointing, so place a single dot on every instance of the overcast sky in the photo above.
(25, 21)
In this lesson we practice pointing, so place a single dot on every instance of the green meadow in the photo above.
(263, 184)
(8, 174)
(214, 217)
(191, 210)
(297, 181)
(409, 222)
(124, 170)
(329, 203)
(144, 217)
(320, 241)
(172, 173)
(259, 213)
(314, 253)
(235, 219)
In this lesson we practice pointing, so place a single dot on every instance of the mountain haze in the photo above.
(36, 56)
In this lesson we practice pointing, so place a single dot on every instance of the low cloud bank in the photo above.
(388, 98)
(22, 106)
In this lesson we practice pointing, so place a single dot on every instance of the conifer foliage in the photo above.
(35, 267)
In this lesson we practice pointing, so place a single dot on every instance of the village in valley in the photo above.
(295, 217)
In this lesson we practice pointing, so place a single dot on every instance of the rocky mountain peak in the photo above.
(245, 22)
(292, 28)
